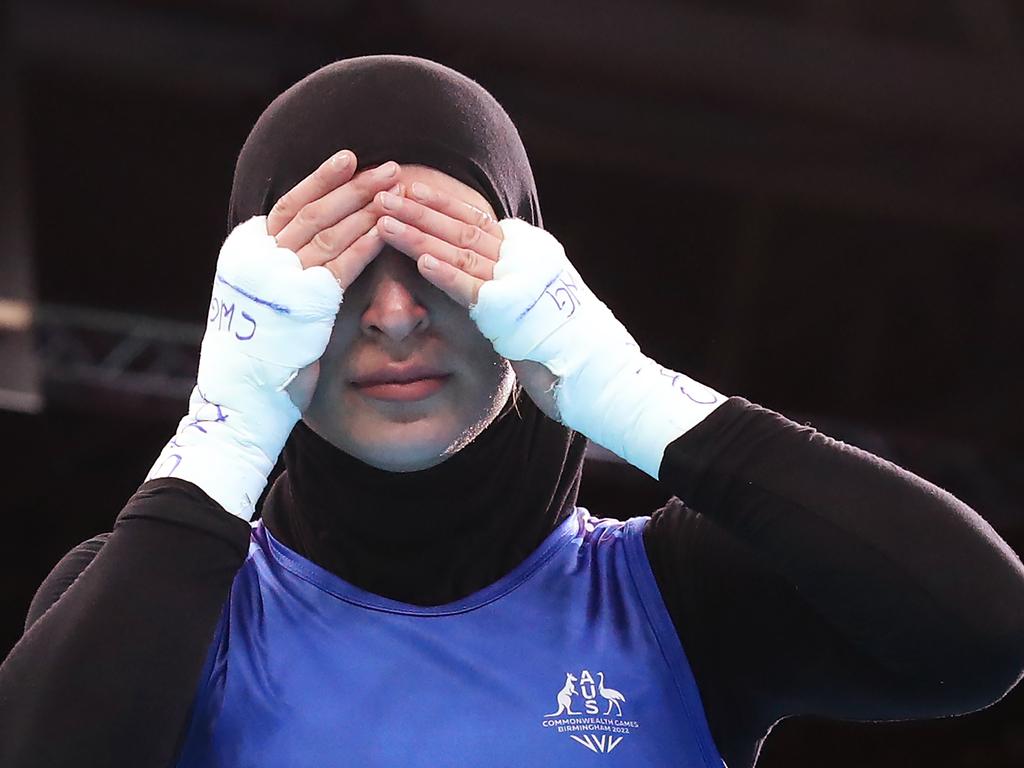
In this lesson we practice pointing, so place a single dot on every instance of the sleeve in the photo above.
(107, 673)
(808, 577)
(63, 576)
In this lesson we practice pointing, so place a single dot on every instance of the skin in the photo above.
(398, 310)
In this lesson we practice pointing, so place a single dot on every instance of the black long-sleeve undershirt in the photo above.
(804, 576)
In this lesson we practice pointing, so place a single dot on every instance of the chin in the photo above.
(406, 447)
(404, 437)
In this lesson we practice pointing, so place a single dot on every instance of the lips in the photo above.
(395, 374)
(401, 383)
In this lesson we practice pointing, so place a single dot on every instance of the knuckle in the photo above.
(283, 206)
(325, 241)
(309, 216)
(414, 214)
(467, 259)
(483, 219)
(469, 235)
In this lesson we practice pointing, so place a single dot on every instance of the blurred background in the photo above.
(816, 204)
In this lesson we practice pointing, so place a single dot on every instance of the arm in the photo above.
(62, 576)
(106, 675)
(870, 561)
(806, 576)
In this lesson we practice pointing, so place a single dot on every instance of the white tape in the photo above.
(538, 308)
(268, 319)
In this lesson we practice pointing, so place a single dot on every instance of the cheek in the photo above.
(335, 359)
(476, 349)
(489, 381)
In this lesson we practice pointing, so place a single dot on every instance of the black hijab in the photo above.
(436, 535)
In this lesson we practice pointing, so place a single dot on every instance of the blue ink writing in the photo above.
(248, 317)
(679, 381)
(281, 309)
(567, 290)
(223, 314)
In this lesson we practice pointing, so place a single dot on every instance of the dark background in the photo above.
(816, 204)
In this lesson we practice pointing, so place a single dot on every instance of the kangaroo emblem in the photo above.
(565, 697)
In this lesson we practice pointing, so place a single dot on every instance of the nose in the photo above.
(393, 310)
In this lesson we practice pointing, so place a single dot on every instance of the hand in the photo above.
(533, 306)
(464, 242)
(272, 310)
(328, 219)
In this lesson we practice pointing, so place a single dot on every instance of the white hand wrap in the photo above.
(268, 319)
(537, 308)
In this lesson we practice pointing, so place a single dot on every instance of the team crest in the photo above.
(590, 712)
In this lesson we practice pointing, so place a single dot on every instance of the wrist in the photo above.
(227, 452)
(630, 404)
(269, 319)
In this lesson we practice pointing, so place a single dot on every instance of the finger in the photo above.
(329, 243)
(459, 233)
(413, 242)
(328, 210)
(334, 171)
(461, 287)
(350, 264)
(456, 208)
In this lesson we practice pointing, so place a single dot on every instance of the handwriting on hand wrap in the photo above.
(223, 313)
(563, 291)
(208, 413)
(680, 382)
(162, 469)
(563, 285)
(281, 309)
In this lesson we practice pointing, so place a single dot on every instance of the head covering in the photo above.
(438, 534)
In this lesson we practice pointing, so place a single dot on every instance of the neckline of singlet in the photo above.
(568, 530)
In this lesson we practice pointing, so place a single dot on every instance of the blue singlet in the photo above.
(570, 660)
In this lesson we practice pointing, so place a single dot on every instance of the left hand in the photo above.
(464, 243)
(588, 372)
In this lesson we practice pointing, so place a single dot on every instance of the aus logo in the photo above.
(588, 691)
(589, 711)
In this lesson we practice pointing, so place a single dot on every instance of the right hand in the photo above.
(279, 284)
(328, 219)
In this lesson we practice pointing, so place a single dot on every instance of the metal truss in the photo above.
(127, 353)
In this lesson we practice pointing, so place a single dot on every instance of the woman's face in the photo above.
(392, 319)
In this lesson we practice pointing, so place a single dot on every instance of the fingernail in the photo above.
(429, 262)
(390, 201)
(341, 160)
(422, 191)
(393, 226)
(390, 168)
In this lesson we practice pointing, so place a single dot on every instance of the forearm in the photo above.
(900, 572)
(107, 675)
(903, 570)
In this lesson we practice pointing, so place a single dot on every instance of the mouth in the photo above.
(414, 389)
